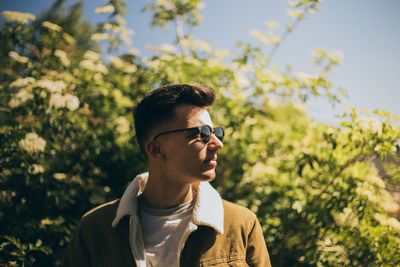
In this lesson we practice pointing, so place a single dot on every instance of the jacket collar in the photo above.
(208, 208)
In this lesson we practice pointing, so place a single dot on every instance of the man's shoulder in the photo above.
(234, 207)
(238, 213)
(103, 212)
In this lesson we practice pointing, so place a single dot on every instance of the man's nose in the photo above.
(215, 143)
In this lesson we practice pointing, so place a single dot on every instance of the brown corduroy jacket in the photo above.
(105, 238)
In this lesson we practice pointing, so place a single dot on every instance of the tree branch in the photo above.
(359, 157)
(286, 33)
(180, 36)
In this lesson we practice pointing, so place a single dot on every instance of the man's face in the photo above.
(186, 158)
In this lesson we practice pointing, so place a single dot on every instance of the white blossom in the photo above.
(117, 62)
(295, 13)
(370, 124)
(59, 176)
(20, 98)
(241, 79)
(46, 221)
(197, 44)
(22, 82)
(272, 24)
(36, 169)
(388, 221)
(91, 55)
(335, 56)
(51, 26)
(259, 36)
(126, 35)
(270, 39)
(107, 189)
(32, 143)
(307, 79)
(201, 5)
(104, 9)
(62, 55)
(52, 86)
(133, 51)
(347, 217)
(71, 102)
(122, 125)
(98, 78)
(68, 38)
(202, 45)
(21, 59)
(68, 101)
(329, 244)
(99, 36)
(164, 48)
(122, 65)
(108, 26)
(274, 38)
(272, 76)
(18, 16)
(167, 4)
(92, 66)
(91, 62)
(56, 101)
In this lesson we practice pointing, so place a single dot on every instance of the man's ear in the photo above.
(154, 150)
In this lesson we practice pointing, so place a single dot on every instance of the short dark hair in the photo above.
(159, 106)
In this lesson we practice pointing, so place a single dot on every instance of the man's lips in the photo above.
(213, 158)
(211, 162)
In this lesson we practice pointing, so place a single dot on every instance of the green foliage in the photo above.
(67, 140)
(320, 198)
(166, 11)
(22, 253)
(66, 136)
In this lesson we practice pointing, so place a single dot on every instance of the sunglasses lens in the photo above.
(205, 133)
(219, 133)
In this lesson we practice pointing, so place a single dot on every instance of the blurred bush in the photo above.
(68, 144)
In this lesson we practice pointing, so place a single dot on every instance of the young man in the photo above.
(171, 216)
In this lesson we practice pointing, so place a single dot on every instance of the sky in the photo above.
(367, 32)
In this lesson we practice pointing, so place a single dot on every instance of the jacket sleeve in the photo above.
(77, 253)
(257, 253)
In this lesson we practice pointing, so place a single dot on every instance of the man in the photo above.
(171, 216)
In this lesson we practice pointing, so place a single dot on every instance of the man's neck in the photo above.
(162, 195)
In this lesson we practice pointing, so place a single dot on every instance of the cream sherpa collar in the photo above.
(208, 209)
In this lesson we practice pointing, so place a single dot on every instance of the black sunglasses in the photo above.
(204, 132)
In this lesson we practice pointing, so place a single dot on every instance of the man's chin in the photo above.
(204, 176)
(208, 175)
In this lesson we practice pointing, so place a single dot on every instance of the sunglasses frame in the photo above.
(198, 128)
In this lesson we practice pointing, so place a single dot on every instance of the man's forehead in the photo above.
(187, 115)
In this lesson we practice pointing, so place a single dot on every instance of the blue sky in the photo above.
(366, 31)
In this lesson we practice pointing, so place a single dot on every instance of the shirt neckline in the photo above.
(180, 209)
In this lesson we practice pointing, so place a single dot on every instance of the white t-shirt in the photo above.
(162, 231)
